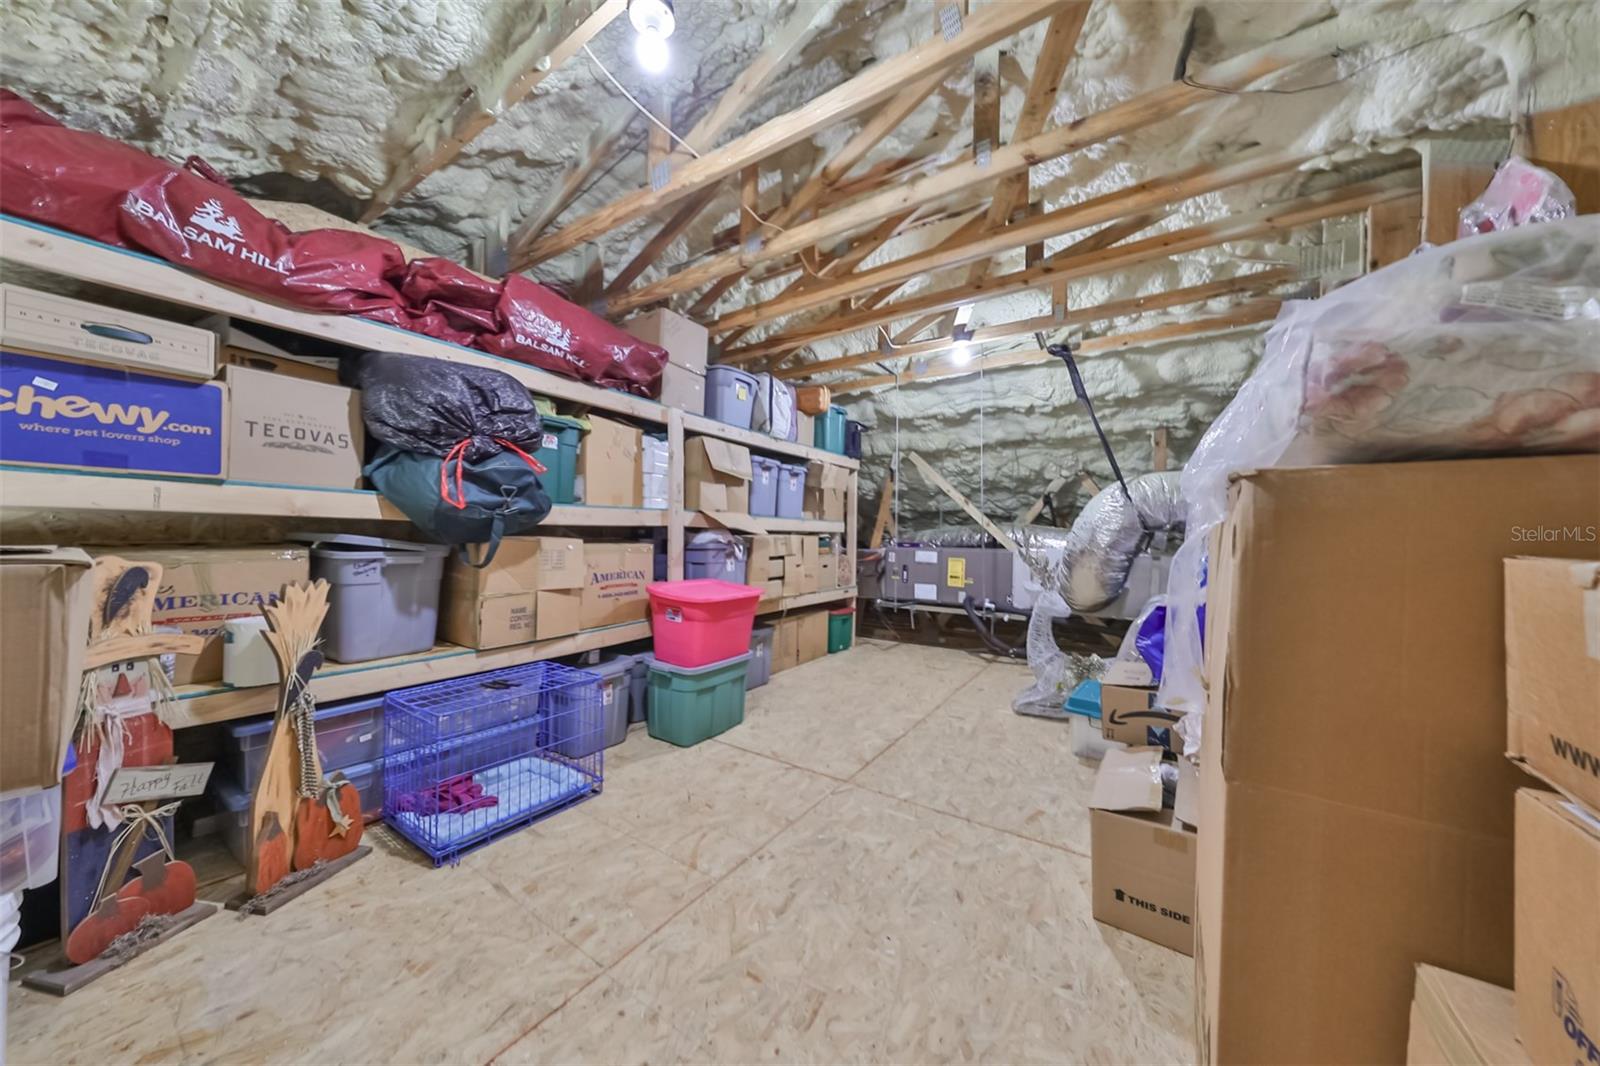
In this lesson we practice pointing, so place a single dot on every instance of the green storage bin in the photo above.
(841, 630)
(689, 704)
(558, 450)
(827, 432)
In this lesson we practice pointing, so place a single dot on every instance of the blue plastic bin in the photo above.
(730, 395)
(715, 554)
(852, 438)
(791, 491)
(764, 475)
(828, 432)
(1085, 699)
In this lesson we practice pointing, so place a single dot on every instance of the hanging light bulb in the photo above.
(961, 354)
(653, 22)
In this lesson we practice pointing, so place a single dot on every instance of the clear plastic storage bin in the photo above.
(348, 734)
(30, 839)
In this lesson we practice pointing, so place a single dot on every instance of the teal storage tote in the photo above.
(558, 451)
(841, 629)
(689, 704)
(828, 431)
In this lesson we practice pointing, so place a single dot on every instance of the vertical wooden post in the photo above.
(1454, 173)
(1158, 442)
(677, 520)
(851, 526)
(885, 509)
(1394, 230)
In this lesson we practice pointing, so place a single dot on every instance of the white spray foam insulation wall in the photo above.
(330, 93)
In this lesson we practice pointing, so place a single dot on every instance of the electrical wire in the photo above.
(1187, 80)
(687, 147)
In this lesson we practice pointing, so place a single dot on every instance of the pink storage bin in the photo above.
(699, 622)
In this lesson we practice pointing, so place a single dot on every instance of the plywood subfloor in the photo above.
(882, 864)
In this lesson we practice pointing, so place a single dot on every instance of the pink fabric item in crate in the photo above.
(700, 622)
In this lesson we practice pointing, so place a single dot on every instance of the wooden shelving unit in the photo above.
(65, 493)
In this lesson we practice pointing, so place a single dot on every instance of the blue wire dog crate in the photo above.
(469, 759)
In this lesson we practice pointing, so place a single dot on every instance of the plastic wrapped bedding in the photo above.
(1486, 346)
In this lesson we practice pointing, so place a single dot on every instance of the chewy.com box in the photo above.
(58, 413)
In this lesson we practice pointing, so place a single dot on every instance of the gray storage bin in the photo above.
(760, 671)
(638, 687)
(233, 803)
(616, 699)
(384, 598)
(348, 734)
(715, 554)
(730, 395)
(764, 475)
(791, 491)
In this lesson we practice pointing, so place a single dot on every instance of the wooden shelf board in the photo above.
(698, 520)
(62, 253)
(202, 704)
(70, 490)
(710, 427)
(809, 599)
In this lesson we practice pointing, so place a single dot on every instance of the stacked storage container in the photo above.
(791, 490)
(654, 461)
(702, 654)
(384, 598)
(828, 432)
(558, 451)
(730, 395)
(715, 554)
(765, 474)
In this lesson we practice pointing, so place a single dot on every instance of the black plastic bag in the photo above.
(419, 404)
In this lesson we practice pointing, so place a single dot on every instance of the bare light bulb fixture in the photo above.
(961, 353)
(653, 22)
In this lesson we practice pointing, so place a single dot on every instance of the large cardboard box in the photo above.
(46, 594)
(826, 486)
(202, 587)
(615, 579)
(716, 476)
(1553, 672)
(93, 333)
(290, 431)
(498, 605)
(813, 635)
(558, 613)
(786, 643)
(685, 340)
(683, 388)
(611, 464)
(1461, 1021)
(1128, 714)
(59, 413)
(257, 347)
(1558, 928)
(1355, 799)
(1142, 859)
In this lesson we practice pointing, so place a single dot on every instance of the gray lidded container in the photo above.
(594, 724)
(638, 687)
(791, 490)
(384, 594)
(760, 671)
(730, 395)
(715, 554)
(764, 475)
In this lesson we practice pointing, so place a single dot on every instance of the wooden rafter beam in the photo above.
(938, 480)
(1137, 199)
(1060, 42)
(562, 31)
(602, 144)
(1130, 115)
(885, 511)
(1156, 301)
(1253, 225)
(670, 231)
(1239, 318)
(874, 85)
(1055, 486)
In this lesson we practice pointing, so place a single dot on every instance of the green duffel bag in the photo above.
(455, 501)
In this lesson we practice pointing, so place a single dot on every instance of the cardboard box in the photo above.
(794, 578)
(95, 418)
(805, 427)
(772, 590)
(716, 476)
(828, 572)
(49, 324)
(826, 485)
(289, 431)
(281, 365)
(1129, 715)
(202, 587)
(1143, 876)
(1355, 801)
(257, 347)
(813, 635)
(1558, 928)
(685, 340)
(615, 578)
(683, 388)
(1553, 673)
(497, 605)
(559, 613)
(46, 595)
(786, 643)
(611, 465)
(1460, 1021)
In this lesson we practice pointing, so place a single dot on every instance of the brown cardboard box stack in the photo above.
(46, 595)
(1128, 715)
(532, 590)
(683, 379)
(615, 579)
(826, 485)
(1356, 805)
(611, 464)
(716, 476)
(788, 564)
(1142, 856)
(1552, 635)
(799, 638)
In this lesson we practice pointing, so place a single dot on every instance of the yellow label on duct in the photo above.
(955, 572)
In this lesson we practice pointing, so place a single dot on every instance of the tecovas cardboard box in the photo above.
(46, 594)
(498, 605)
(290, 431)
(95, 418)
(716, 476)
(49, 324)
(1558, 928)
(203, 587)
(611, 465)
(1461, 1021)
(615, 578)
(1142, 860)
(1553, 672)
(1128, 714)
(1355, 801)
